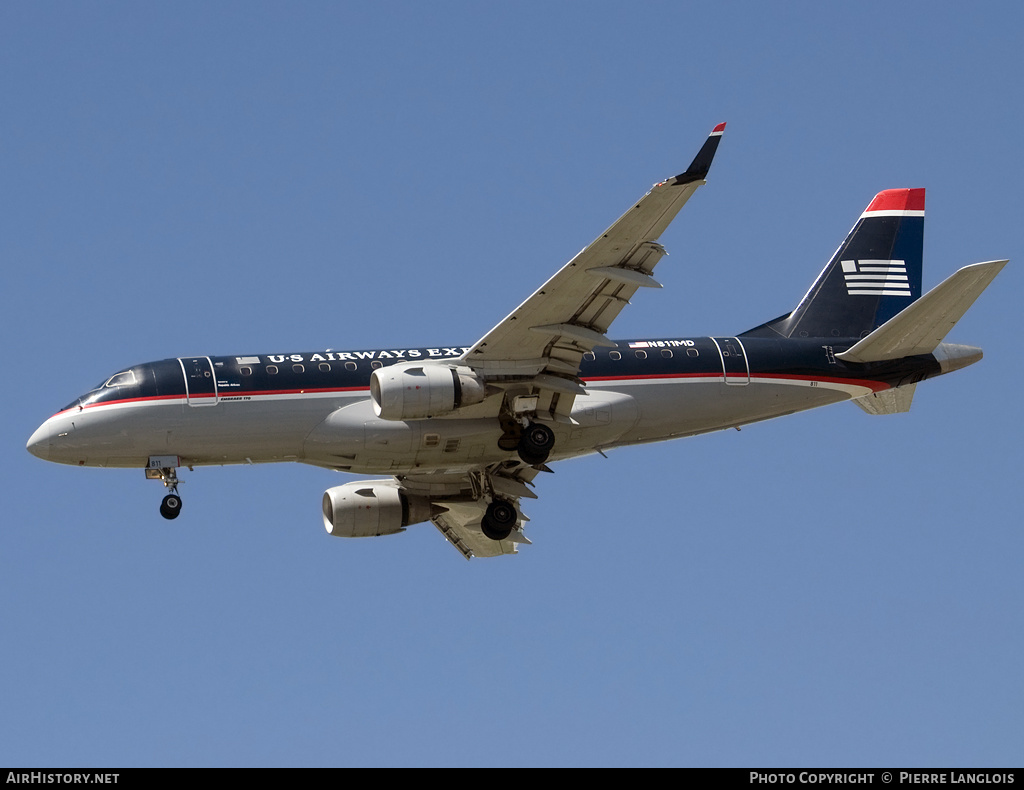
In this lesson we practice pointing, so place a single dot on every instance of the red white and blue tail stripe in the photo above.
(875, 273)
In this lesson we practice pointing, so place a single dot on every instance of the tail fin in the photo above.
(873, 275)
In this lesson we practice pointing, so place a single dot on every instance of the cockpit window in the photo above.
(111, 389)
(124, 379)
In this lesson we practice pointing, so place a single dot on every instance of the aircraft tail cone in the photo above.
(953, 356)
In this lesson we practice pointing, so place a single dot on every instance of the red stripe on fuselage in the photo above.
(220, 396)
(875, 386)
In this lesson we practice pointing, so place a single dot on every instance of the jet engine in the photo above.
(413, 391)
(369, 508)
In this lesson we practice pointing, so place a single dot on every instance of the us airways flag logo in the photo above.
(876, 278)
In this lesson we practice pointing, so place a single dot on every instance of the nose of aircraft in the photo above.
(39, 442)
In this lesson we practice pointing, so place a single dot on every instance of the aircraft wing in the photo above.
(463, 498)
(460, 526)
(548, 334)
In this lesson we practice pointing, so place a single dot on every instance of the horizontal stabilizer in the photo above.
(894, 401)
(921, 326)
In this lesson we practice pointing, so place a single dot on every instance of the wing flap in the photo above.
(462, 500)
(460, 526)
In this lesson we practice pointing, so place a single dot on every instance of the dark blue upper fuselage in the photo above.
(234, 377)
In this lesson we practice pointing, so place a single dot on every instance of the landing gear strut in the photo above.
(170, 507)
(535, 444)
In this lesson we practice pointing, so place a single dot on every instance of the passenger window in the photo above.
(640, 354)
(325, 367)
(589, 356)
(375, 364)
(667, 353)
(692, 352)
(246, 371)
(350, 366)
(272, 370)
(614, 355)
(298, 368)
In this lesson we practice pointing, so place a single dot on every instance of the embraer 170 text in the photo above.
(461, 432)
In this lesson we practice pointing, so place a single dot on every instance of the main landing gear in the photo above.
(535, 444)
(499, 519)
(533, 441)
(170, 507)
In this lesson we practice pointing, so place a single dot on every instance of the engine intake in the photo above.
(416, 391)
(369, 508)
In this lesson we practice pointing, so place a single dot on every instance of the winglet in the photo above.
(701, 163)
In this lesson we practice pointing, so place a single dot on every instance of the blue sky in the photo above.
(218, 178)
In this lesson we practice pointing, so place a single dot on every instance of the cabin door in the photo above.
(200, 381)
(734, 360)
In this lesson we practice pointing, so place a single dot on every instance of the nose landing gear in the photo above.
(159, 469)
(171, 506)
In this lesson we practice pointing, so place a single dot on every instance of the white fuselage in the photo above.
(340, 430)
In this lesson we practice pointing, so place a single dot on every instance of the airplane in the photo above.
(461, 432)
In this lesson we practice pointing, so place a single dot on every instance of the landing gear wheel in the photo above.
(536, 443)
(171, 506)
(499, 519)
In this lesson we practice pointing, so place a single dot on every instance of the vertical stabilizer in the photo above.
(875, 273)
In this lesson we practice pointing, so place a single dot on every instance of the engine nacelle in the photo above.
(369, 508)
(416, 391)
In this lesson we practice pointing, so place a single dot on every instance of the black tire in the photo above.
(171, 506)
(532, 459)
(536, 443)
(499, 519)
